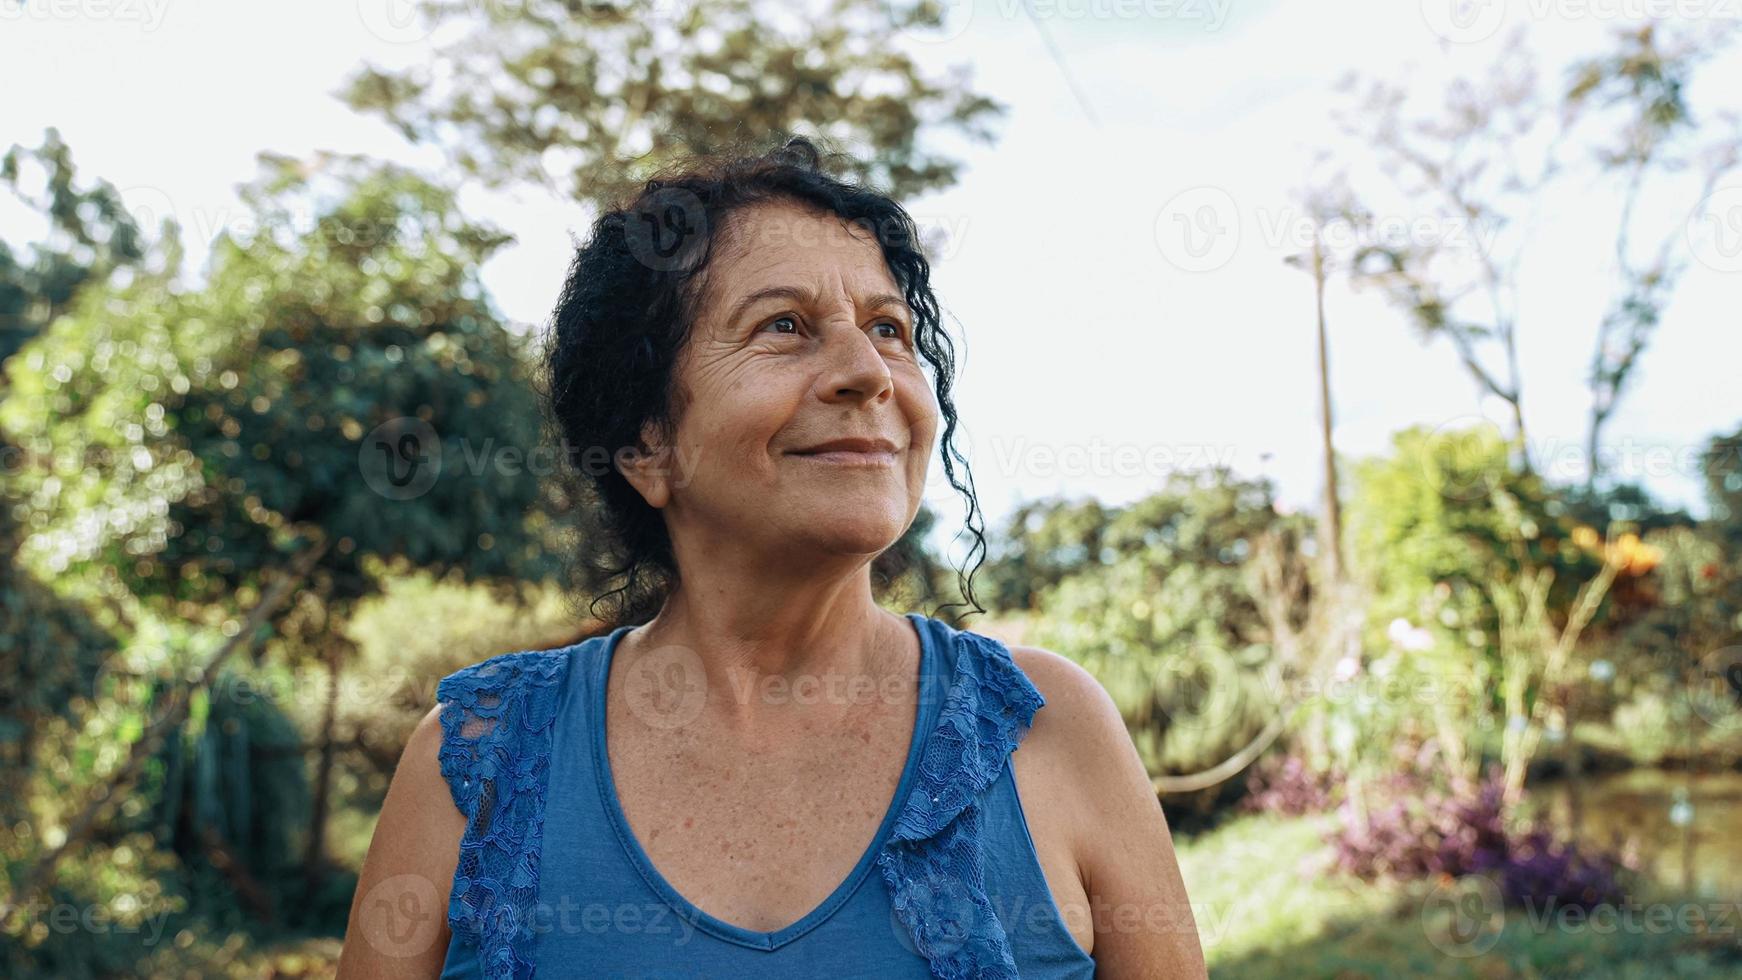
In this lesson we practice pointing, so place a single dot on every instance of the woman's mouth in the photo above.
(872, 453)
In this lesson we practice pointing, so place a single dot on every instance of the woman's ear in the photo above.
(647, 466)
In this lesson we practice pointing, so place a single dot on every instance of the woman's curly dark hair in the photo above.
(625, 313)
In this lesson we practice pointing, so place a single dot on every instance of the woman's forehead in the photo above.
(780, 246)
(785, 231)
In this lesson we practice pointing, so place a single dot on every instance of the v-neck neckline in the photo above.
(764, 940)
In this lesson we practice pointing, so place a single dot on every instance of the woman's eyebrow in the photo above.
(798, 295)
(890, 300)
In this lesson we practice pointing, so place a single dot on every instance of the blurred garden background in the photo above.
(1453, 690)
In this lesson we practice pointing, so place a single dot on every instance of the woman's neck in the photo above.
(776, 641)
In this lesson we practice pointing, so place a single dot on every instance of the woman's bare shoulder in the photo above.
(1079, 720)
(1144, 924)
(398, 923)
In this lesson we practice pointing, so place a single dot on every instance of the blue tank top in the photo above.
(950, 886)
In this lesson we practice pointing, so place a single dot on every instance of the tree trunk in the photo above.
(1331, 531)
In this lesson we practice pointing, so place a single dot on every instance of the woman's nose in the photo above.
(854, 370)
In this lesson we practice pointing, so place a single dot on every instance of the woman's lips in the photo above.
(841, 457)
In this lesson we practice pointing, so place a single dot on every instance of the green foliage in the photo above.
(1428, 526)
(1156, 604)
(1041, 543)
(192, 432)
(1721, 464)
(1434, 527)
(50, 653)
(88, 236)
(590, 99)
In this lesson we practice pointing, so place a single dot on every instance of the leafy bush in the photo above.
(1157, 605)
(1287, 785)
(1421, 832)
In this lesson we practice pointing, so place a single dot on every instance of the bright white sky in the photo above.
(1083, 332)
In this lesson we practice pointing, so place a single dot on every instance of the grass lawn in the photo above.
(1267, 905)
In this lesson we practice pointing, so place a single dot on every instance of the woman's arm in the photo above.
(1143, 921)
(399, 914)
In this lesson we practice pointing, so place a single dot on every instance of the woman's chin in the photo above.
(853, 537)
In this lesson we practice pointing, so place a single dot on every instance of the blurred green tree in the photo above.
(340, 378)
(1454, 544)
(50, 647)
(587, 99)
(1158, 602)
(86, 236)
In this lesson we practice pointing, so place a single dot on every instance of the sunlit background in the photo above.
(1425, 687)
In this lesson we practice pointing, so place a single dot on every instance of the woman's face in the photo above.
(805, 422)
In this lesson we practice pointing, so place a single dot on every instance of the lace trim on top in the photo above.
(497, 719)
(932, 861)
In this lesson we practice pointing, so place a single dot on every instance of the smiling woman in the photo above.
(757, 771)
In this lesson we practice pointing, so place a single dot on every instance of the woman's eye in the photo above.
(895, 331)
(776, 323)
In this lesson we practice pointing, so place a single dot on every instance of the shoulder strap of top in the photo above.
(497, 719)
(932, 860)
